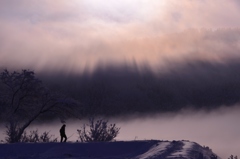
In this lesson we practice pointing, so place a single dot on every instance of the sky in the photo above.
(78, 35)
(198, 38)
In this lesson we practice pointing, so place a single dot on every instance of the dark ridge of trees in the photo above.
(126, 90)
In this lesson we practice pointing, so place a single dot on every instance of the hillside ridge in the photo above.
(149, 149)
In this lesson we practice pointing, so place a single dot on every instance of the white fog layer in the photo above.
(219, 129)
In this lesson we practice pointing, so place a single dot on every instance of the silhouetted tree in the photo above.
(214, 156)
(98, 131)
(24, 98)
(232, 157)
(34, 136)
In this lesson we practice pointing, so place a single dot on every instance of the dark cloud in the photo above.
(128, 89)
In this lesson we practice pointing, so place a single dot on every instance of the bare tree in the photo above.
(97, 131)
(23, 99)
(35, 136)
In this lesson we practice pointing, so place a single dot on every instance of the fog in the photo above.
(218, 129)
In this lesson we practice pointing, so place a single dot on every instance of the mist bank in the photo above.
(216, 129)
(132, 89)
(117, 90)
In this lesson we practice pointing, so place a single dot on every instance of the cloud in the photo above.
(207, 14)
(74, 35)
(130, 89)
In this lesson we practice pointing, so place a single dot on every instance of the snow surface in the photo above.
(155, 150)
(184, 151)
(150, 149)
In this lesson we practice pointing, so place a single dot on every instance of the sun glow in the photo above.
(123, 9)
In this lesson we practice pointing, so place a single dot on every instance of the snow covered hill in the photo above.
(152, 149)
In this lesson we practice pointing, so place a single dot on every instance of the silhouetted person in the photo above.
(62, 133)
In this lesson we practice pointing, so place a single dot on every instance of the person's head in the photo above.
(64, 125)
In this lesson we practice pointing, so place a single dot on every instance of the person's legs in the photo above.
(61, 138)
(65, 138)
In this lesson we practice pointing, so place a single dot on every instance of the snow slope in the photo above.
(152, 149)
